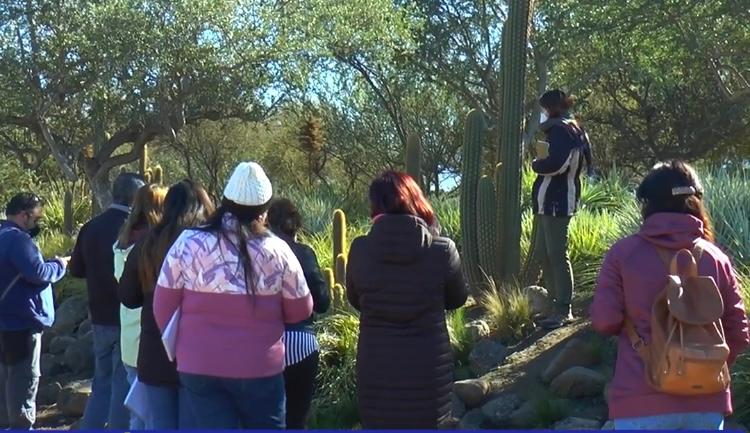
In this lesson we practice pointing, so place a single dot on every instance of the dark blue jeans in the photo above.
(220, 403)
(106, 405)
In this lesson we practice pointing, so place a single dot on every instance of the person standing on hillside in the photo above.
(26, 308)
(93, 259)
(555, 197)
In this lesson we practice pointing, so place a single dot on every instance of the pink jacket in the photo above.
(631, 277)
(223, 331)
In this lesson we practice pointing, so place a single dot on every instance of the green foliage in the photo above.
(55, 243)
(414, 157)
(335, 404)
(460, 338)
(741, 388)
(507, 311)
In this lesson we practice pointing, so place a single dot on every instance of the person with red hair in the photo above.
(402, 276)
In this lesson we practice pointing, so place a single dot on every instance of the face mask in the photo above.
(34, 232)
(543, 117)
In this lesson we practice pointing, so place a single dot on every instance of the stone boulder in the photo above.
(72, 399)
(70, 314)
(498, 411)
(458, 408)
(48, 393)
(578, 382)
(573, 423)
(525, 417)
(58, 344)
(576, 353)
(540, 300)
(473, 420)
(472, 392)
(84, 328)
(486, 355)
(478, 329)
(51, 365)
(79, 356)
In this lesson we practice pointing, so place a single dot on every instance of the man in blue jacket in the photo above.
(26, 308)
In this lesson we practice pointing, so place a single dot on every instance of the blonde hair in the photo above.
(148, 206)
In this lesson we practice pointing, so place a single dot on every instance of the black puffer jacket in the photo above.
(315, 282)
(402, 279)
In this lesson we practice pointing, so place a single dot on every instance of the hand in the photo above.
(64, 260)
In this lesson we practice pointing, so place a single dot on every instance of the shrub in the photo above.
(507, 312)
(335, 404)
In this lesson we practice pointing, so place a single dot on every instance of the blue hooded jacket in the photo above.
(29, 302)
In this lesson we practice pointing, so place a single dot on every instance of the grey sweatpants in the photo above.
(549, 248)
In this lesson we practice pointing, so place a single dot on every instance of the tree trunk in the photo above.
(68, 212)
(101, 195)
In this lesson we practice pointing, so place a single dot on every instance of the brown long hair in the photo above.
(656, 193)
(395, 192)
(186, 205)
(146, 213)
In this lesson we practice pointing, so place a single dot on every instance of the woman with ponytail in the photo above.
(235, 285)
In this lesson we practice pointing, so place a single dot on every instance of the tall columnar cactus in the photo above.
(340, 272)
(158, 175)
(513, 69)
(328, 276)
(148, 175)
(472, 170)
(339, 242)
(486, 229)
(144, 161)
(414, 157)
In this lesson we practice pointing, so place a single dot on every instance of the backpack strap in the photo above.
(636, 342)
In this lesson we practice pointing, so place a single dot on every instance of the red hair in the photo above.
(394, 192)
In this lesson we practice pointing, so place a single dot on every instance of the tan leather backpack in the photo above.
(688, 351)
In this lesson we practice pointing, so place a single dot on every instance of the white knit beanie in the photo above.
(248, 185)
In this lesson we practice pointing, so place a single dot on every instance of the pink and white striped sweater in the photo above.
(223, 331)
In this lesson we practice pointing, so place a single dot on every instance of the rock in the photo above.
(573, 423)
(458, 408)
(79, 356)
(498, 410)
(609, 425)
(524, 417)
(51, 365)
(473, 420)
(72, 399)
(47, 336)
(84, 328)
(478, 329)
(576, 353)
(486, 355)
(472, 391)
(578, 382)
(540, 300)
(58, 344)
(48, 393)
(70, 314)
